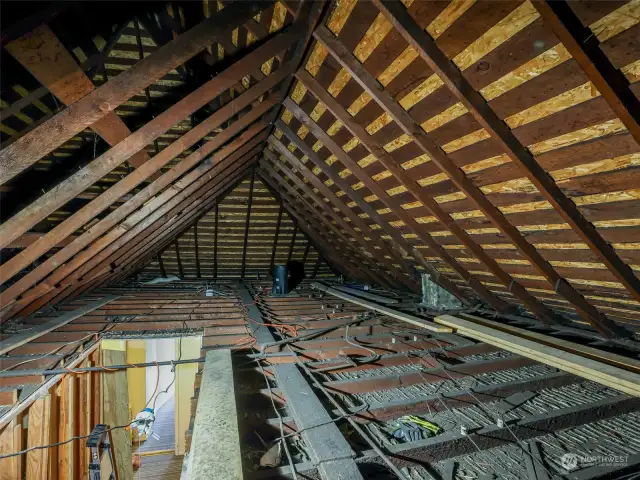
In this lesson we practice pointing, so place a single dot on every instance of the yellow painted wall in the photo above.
(185, 379)
(136, 377)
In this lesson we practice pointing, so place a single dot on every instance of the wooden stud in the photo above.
(306, 252)
(163, 272)
(115, 407)
(246, 227)
(275, 240)
(181, 272)
(601, 323)
(38, 434)
(316, 266)
(195, 240)
(293, 241)
(215, 243)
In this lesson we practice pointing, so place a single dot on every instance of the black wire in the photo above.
(51, 445)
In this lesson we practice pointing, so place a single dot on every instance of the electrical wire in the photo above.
(483, 406)
(57, 444)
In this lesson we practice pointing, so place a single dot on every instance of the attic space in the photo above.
(320, 239)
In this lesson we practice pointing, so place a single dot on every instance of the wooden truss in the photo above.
(392, 138)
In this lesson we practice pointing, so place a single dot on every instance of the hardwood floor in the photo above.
(165, 466)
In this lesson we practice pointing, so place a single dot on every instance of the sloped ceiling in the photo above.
(214, 247)
(509, 173)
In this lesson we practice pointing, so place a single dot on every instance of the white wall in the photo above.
(160, 350)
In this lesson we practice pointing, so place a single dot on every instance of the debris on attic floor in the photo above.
(320, 239)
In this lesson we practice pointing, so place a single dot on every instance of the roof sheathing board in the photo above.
(530, 80)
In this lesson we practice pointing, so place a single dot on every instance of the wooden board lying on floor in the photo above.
(582, 350)
(405, 317)
(614, 377)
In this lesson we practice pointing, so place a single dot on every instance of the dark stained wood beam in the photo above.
(46, 58)
(584, 47)
(195, 241)
(101, 101)
(215, 242)
(91, 210)
(599, 321)
(239, 148)
(247, 224)
(180, 271)
(316, 266)
(275, 239)
(306, 251)
(79, 181)
(163, 272)
(293, 241)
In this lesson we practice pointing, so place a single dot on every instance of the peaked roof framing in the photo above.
(492, 145)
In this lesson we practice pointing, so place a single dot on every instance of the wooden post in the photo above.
(181, 272)
(195, 240)
(115, 408)
(246, 227)
(275, 240)
(215, 242)
(163, 272)
(293, 241)
(11, 441)
(38, 434)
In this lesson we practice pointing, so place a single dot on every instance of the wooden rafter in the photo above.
(247, 145)
(296, 194)
(322, 239)
(599, 321)
(584, 47)
(341, 226)
(101, 101)
(379, 249)
(68, 189)
(140, 241)
(142, 198)
(359, 173)
(42, 53)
